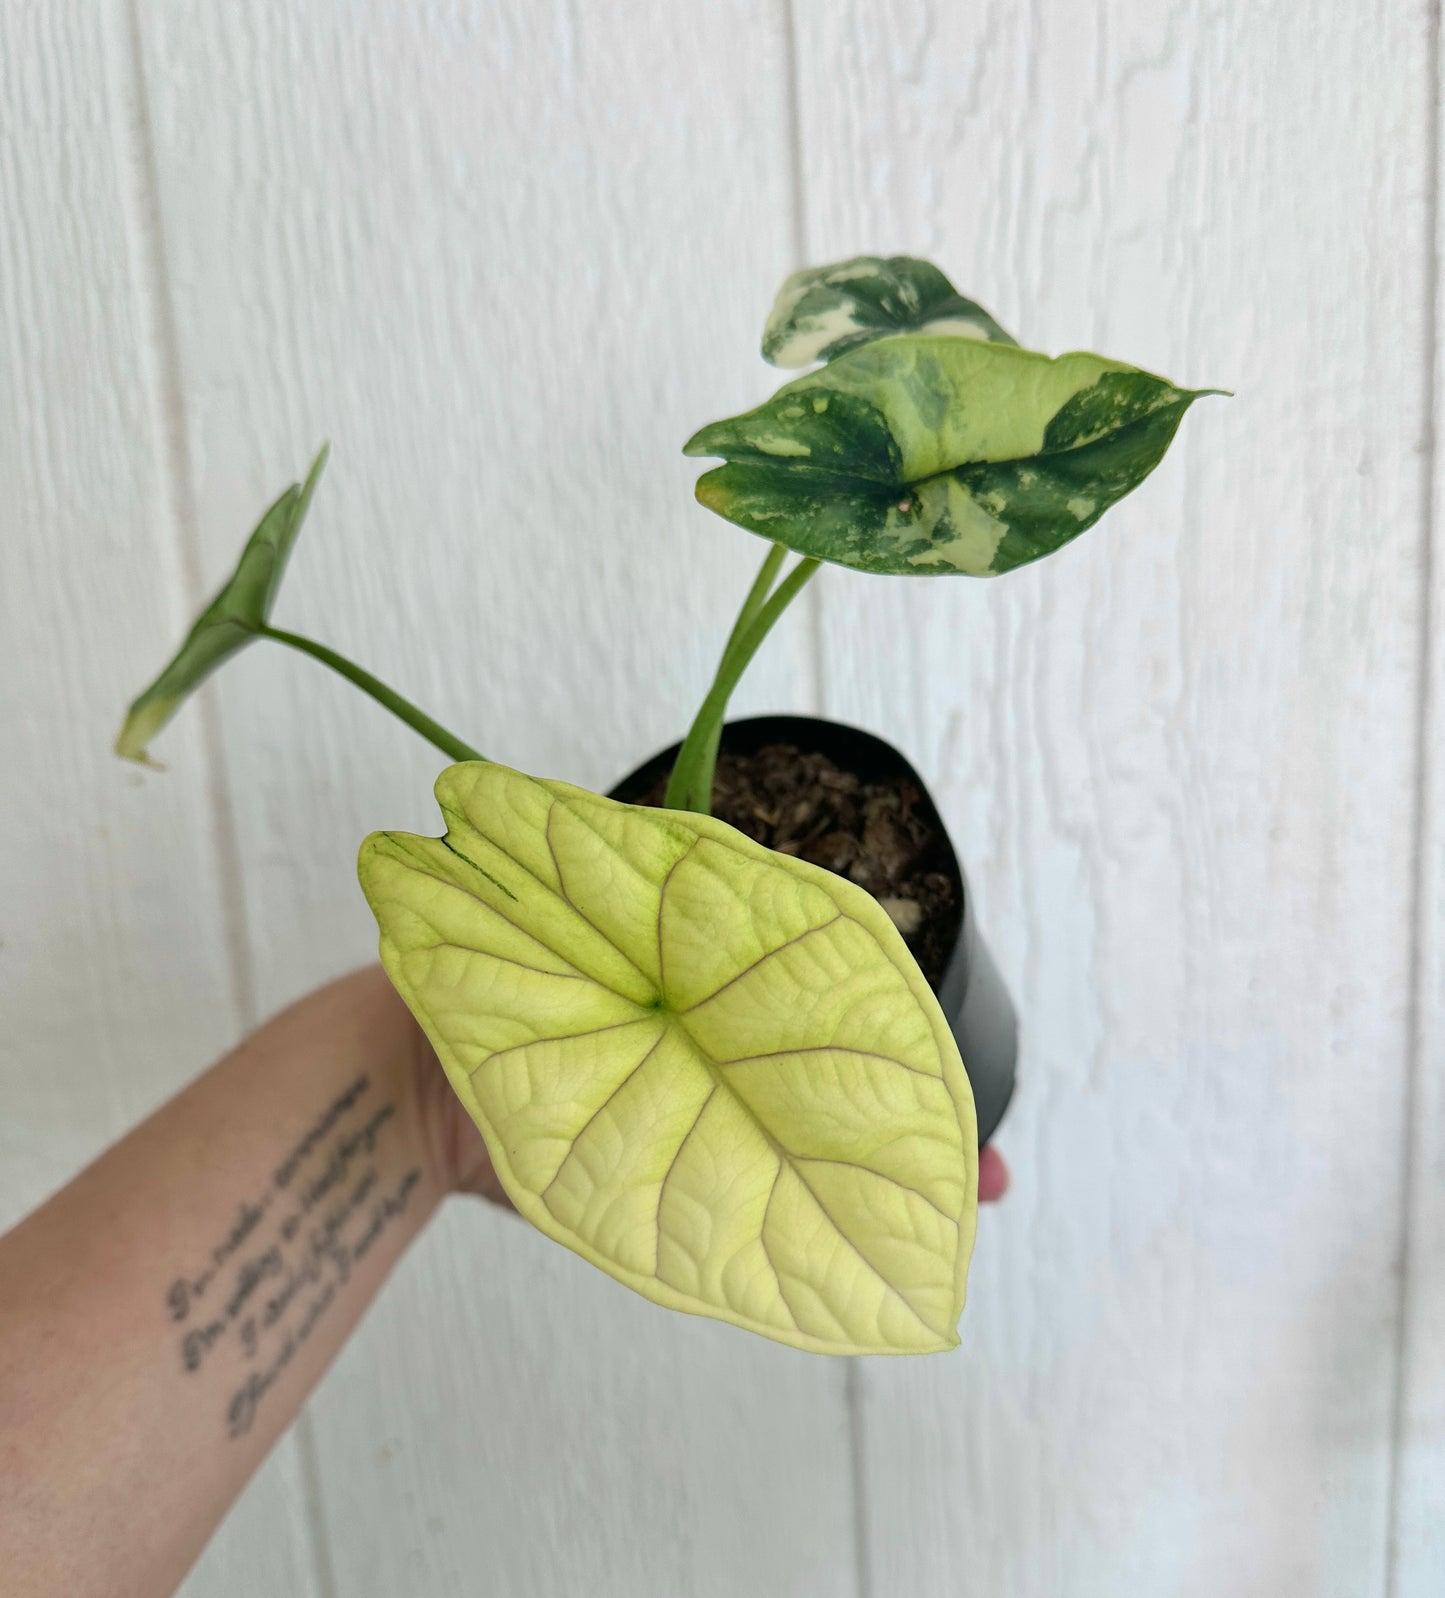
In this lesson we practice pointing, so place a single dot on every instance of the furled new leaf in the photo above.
(228, 623)
(713, 1071)
(825, 311)
(924, 455)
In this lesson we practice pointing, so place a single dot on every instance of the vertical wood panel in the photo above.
(114, 979)
(1180, 759)
(1418, 1540)
(506, 256)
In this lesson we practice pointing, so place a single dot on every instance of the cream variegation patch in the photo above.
(822, 311)
(811, 335)
(972, 532)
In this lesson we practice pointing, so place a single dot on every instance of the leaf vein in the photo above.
(423, 868)
(506, 959)
(661, 903)
(868, 1170)
(587, 1124)
(786, 1156)
(567, 898)
(561, 1037)
(752, 965)
(832, 1048)
(672, 1166)
(768, 1254)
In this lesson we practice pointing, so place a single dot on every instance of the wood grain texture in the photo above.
(1180, 760)
(115, 982)
(506, 257)
(1417, 1550)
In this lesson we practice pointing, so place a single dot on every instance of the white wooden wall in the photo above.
(506, 254)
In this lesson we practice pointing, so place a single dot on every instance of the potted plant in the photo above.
(702, 1053)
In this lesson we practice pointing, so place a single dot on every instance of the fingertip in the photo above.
(993, 1177)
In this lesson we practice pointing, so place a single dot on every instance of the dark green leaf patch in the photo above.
(929, 455)
(825, 311)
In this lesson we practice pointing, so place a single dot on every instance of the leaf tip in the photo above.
(709, 490)
(299, 494)
(375, 852)
(142, 722)
(141, 757)
(371, 848)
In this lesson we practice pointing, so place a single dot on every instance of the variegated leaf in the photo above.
(925, 455)
(825, 311)
(228, 623)
(714, 1071)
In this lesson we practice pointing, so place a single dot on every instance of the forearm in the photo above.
(163, 1318)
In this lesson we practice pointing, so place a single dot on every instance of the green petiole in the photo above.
(690, 785)
(415, 718)
(762, 587)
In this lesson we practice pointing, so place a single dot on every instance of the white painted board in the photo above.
(1417, 1545)
(507, 259)
(1180, 759)
(116, 986)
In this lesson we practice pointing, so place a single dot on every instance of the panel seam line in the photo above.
(798, 253)
(1421, 828)
(818, 696)
(141, 208)
(158, 309)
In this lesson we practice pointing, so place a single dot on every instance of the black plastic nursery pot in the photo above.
(971, 992)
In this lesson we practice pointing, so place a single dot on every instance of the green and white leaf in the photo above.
(824, 311)
(228, 623)
(926, 455)
(713, 1071)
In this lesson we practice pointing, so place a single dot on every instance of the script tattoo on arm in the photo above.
(289, 1251)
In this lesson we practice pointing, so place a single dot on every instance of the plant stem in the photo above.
(762, 587)
(678, 787)
(690, 786)
(416, 719)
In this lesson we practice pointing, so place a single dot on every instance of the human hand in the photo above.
(459, 1156)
